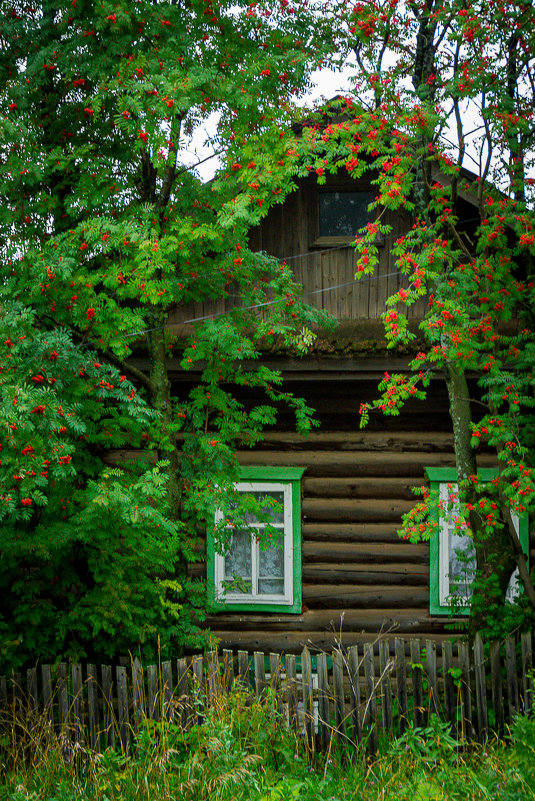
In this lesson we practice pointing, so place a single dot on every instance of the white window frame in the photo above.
(254, 597)
(440, 581)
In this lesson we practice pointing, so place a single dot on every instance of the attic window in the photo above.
(341, 214)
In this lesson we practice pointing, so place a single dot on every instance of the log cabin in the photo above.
(342, 574)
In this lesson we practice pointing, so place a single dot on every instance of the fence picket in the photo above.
(92, 716)
(46, 680)
(512, 681)
(527, 666)
(243, 668)
(354, 690)
(92, 706)
(401, 678)
(107, 690)
(291, 677)
(496, 684)
(481, 691)
(338, 689)
(417, 686)
(182, 694)
(167, 689)
(153, 710)
(138, 691)
(431, 669)
(308, 704)
(323, 702)
(31, 679)
(228, 669)
(449, 684)
(370, 717)
(122, 706)
(466, 693)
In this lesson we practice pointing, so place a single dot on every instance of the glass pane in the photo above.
(238, 560)
(271, 570)
(273, 499)
(270, 586)
(461, 567)
(343, 213)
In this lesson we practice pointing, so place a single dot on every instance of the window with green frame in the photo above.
(252, 575)
(452, 556)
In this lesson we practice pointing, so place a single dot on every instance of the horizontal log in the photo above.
(349, 509)
(370, 620)
(327, 463)
(350, 532)
(355, 574)
(389, 441)
(365, 574)
(380, 596)
(361, 488)
(292, 642)
(344, 553)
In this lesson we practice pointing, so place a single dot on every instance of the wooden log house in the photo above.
(343, 574)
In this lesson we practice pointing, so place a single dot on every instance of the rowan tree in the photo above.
(106, 232)
(441, 114)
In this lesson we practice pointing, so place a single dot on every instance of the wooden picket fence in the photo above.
(343, 699)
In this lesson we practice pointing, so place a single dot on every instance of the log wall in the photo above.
(358, 577)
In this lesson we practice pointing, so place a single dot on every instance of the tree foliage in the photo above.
(110, 242)
(441, 119)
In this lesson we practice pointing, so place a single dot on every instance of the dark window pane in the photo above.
(343, 213)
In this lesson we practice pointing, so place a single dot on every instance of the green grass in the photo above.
(242, 751)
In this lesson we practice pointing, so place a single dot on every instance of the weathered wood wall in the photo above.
(325, 268)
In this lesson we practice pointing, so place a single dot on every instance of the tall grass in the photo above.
(243, 750)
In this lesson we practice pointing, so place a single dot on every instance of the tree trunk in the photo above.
(494, 555)
(162, 403)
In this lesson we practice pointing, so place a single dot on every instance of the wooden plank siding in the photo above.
(290, 232)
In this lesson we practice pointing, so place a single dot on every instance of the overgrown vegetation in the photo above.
(243, 750)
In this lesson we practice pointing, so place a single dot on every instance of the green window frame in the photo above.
(439, 478)
(285, 480)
